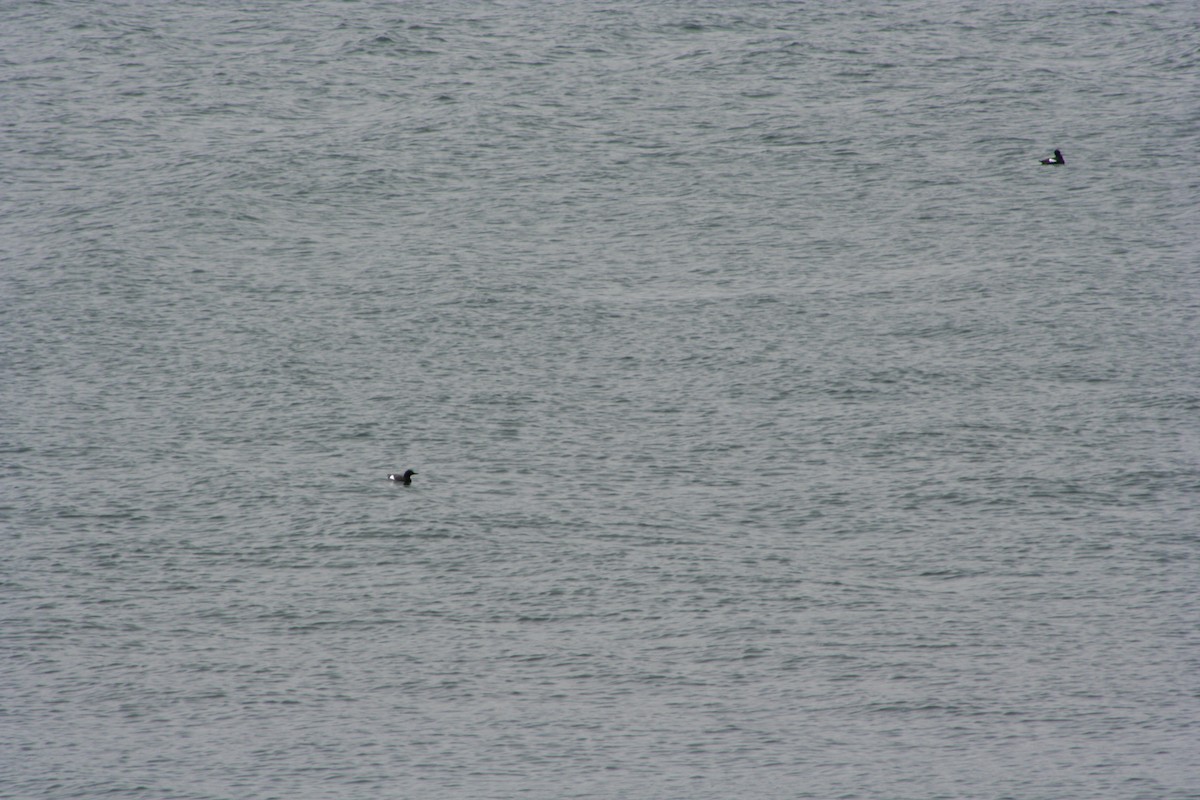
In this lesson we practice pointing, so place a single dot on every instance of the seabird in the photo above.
(406, 478)
(1058, 159)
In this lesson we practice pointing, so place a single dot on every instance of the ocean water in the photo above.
(783, 429)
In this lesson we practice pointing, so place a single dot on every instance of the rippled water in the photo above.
(782, 428)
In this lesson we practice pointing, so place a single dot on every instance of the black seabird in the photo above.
(406, 478)
(1058, 159)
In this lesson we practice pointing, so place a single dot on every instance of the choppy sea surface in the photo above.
(782, 428)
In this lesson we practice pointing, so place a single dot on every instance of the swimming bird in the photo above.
(1058, 159)
(405, 479)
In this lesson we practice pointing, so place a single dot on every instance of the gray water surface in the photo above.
(783, 429)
